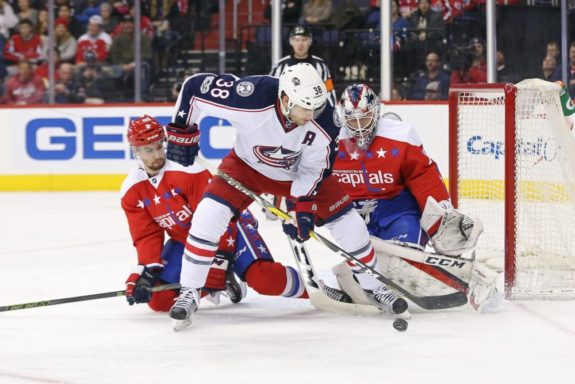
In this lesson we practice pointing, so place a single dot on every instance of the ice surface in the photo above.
(55, 245)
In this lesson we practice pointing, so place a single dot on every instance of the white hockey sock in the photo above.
(351, 234)
(208, 224)
(197, 260)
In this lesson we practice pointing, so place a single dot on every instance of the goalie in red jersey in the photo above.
(159, 198)
(399, 191)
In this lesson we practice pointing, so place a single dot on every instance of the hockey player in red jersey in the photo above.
(286, 138)
(160, 198)
(394, 185)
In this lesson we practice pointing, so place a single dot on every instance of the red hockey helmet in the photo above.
(145, 130)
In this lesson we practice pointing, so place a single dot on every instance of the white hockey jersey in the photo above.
(265, 141)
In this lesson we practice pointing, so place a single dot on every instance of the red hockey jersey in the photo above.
(163, 203)
(98, 45)
(17, 49)
(395, 160)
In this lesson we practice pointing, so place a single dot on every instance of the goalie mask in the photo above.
(359, 111)
(302, 84)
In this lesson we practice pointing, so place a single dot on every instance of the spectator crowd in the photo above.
(436, 43)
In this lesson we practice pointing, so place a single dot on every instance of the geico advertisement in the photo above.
(93, 140)
(89, 140)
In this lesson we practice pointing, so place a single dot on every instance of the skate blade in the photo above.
(179, 325)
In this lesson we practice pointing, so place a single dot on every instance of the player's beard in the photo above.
(157, 165)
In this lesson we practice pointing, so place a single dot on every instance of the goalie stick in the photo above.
(96, 296)
(426, 302)
(314, 286)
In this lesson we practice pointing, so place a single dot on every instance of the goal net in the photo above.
(512, 164)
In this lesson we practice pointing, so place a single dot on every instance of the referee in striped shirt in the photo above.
(300, 40)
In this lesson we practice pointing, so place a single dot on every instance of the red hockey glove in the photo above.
(305, 209)
(183, 144)
(216, 280)
(140, 280)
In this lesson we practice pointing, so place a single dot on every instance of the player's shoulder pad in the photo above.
(398, 130)
(329, 121)
(248, 93)
(256, 92)
(136, 175)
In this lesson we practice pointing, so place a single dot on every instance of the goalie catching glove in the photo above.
(141, 279)
(183, 144)
(452, 232)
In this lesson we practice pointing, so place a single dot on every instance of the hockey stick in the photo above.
(451, 300)
(313, 285)
(95, 296)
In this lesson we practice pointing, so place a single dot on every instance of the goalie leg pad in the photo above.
(485, 289)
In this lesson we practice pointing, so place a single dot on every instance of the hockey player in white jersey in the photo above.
(285, 145)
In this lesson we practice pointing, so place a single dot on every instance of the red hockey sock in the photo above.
(162, 301)
(271, 278)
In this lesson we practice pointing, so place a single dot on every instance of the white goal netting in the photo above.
(543, 202)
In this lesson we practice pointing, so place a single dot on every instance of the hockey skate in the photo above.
(386, 300)
(184, 307)
(336, 294)
(235, 290)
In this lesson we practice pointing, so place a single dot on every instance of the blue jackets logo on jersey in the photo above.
(245, 88)
(278, 157)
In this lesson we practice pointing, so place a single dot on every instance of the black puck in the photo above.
(400, 325)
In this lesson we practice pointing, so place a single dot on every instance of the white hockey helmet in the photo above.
(359, 109)
(304, 87)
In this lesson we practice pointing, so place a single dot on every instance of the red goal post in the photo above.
(512, 164)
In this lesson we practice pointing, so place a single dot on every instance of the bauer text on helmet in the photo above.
(302, 84)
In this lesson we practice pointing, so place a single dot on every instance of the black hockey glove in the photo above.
(140, 280)
(305, 209)
(183, 144)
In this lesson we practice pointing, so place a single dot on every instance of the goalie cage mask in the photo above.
(359, 110)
